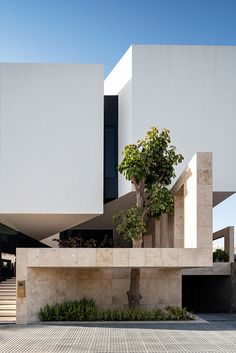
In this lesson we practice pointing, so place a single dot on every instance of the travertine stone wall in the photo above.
(218, 269)
(108, 287)
(193, 207)
(204, 199)
(55, 275)
(191, 224)
(179, 219)
(228, 235)
(113, 258)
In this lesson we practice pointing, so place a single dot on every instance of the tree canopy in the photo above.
(150, 166)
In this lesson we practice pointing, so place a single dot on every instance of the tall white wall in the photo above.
(51, 126)
(119, 82)
(191, 90)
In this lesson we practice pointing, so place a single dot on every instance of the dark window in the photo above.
(110, 148)
(11, 239)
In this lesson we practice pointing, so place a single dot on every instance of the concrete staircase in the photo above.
(8, 300)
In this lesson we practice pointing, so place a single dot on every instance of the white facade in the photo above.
(52, 126)
(51, 167)
(191, 91)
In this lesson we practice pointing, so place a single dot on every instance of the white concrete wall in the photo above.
(119, 82)
(51, 121)
(191, 90)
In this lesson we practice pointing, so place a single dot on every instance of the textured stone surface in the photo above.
(108, 287)
(193, 204)
(112, 258)
(218, 269)
(218, 335)
(120, 258)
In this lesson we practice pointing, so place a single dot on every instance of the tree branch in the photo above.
(161, 178)
(136, 186)
(141, 185)
(145, 212)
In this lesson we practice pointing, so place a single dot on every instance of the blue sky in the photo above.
(100, 31)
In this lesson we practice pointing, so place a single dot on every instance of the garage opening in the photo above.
(206, 294)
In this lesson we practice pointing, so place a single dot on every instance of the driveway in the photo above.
(216, 335)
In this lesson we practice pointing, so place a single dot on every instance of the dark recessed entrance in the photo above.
(206, 294)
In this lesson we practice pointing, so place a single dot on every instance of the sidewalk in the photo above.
(216, 335)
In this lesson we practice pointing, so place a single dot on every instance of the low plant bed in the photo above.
(86, 310)
(220, 255)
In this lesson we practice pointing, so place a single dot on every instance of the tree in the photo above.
(149, 165)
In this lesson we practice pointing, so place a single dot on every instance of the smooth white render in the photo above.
(191, 90)
(51, 162)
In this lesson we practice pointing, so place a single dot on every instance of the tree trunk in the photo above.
(134, 295)
(139, 199)
(137, 243)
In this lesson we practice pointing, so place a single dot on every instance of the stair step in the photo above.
(7, 306)
(4, 290)
(8, 282)
(7, 289)
(7, 320)
(7, 313)
(7, 286)
(8, 301)
(5, 294)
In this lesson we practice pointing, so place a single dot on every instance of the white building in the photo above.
(51, 168)
(190, 90)
(55, 173)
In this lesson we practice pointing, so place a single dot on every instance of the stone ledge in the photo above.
(218, 269)
(117, 258)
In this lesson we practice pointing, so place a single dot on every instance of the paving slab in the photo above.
(215, 335)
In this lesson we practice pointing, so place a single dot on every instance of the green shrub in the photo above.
(82, 310)
(220, 255)
(86, 310)
(176, 313)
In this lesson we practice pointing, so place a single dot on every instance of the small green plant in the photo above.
(76, 242)
(132, 224)
(176, 313)
(82, 310)
(86, 310)
(220, 255)
(79, 242)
